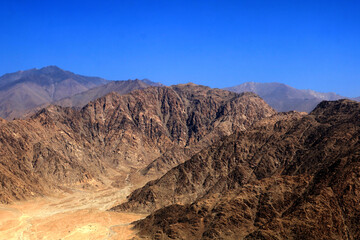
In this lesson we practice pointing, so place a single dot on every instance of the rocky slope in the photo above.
(210, 115)
(118, 133)
(284, 98)
(42, 152)
(204, 172)
(25, 90)
(288, 177)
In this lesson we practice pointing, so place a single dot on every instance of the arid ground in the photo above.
(78, 214)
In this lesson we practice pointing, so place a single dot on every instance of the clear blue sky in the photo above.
(306, 44)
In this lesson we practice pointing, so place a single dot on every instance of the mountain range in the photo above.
(290, 176)
(121, 87)
(284, 98)
(201, 163)
(133, 137)
(24, 92)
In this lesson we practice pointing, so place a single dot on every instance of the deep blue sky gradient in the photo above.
(306, 44)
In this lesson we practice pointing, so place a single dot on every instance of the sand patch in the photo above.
(78, 215)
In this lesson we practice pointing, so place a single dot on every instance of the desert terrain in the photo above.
(75, 214)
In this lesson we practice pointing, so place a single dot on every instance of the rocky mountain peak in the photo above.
(51, 69)
(339, 107)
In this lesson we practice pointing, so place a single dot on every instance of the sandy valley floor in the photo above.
(80, 214)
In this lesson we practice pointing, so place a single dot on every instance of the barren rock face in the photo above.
(290, 176)
(224, 165)
(134, 134)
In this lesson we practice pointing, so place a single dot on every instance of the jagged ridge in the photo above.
(126, 133)
(289, 176)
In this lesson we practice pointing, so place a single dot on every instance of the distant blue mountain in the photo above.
(122, 87)
(24, 90)
(284, 98)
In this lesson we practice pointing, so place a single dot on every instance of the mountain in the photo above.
(151, 83)
(210, 115)
(185, 183)
(121, 87)
(125, 139)
(290, 176)
(24, 90)
(284, 98)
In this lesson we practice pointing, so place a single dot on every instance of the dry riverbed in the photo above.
(80, 214)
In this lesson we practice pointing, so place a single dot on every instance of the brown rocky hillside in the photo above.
(292, 176)
(128, 136)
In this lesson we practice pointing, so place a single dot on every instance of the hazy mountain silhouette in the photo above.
(284, 98)
(121, 87)
(24, 90)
